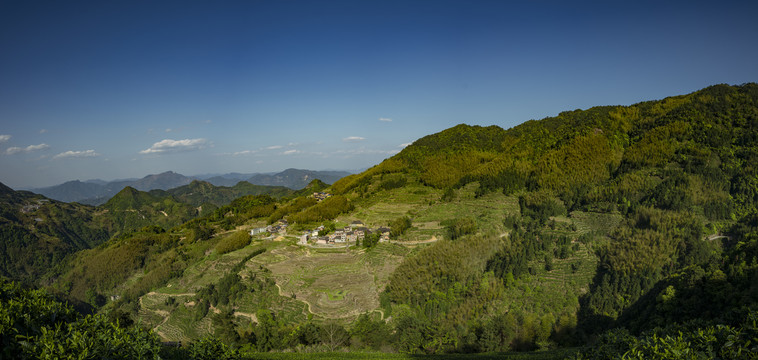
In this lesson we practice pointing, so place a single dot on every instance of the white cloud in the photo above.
(353, 139)
(42, 131)
(171, 146)
(273, 147)
(385, 119)
(291, 152)
(30, 148)
(4, 138)
(404, 145)
(76, 154)
(245, 152)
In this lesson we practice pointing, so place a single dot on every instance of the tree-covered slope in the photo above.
(37, 233)
(710, 131)
(198, 192)
(680, 173)
(131, 209)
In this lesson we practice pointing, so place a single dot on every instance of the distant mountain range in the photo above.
(97, 192)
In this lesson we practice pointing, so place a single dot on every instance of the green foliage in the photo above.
(95, 337)
(393, 182)
(443, 267)
(368, 333)
(292, 207)
(370, 240)
(102, 269)
(325, 210)
(235, 241)
(34, 325)
(540, 206)
(399, 226)
(680, 341)
(457, 228)
(211, 349)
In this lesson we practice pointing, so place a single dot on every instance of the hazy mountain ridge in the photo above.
(296, 179)
(98, 192)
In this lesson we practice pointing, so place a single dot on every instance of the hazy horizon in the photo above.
(199, 176)
(122, 89)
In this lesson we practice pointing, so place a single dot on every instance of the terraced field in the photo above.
(334, 284)
(599, 223)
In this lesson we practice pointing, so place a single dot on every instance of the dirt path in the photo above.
(252, 317)
(162, 313)
(381, 312)
(716, 236)
(306, 303)
(417, 242)
(153, 293)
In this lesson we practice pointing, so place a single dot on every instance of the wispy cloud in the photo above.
(30, 148)
(42, 131)
(245, 152)
(385, 119)
(404, 145)
(4, 138)
(273, 147)
(291, 152)
(353, 139)
(76, 154)
(172, 146)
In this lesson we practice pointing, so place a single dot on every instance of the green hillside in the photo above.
(199, 193)
(545, 236)
(38, 233)
(132, 209)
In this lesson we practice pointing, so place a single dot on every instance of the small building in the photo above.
(256, 231)
(357, 224)
(321, 195)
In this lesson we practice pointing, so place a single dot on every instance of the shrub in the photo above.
(235, 241)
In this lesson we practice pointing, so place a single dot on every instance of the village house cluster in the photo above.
(356, 231)
(321, 195)
(280, 227)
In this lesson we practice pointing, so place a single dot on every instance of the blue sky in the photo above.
(117, 89)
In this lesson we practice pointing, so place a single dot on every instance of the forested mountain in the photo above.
(198, 192)
(95, 193)
(37, 233)
(618, 229)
